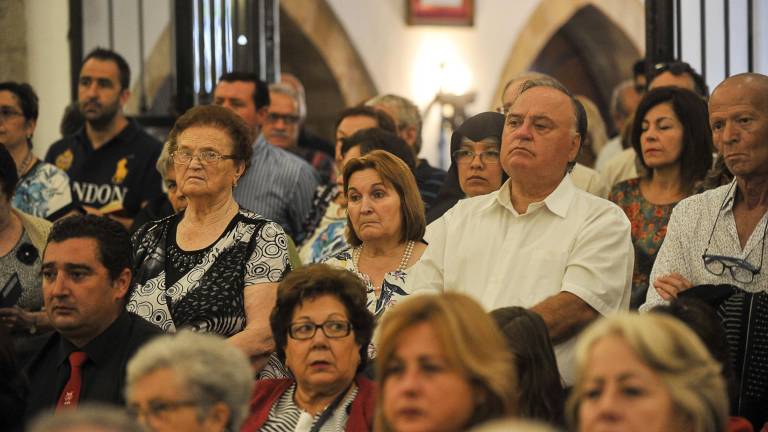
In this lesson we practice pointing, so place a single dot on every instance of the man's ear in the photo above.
(261, 115)
(576, 142)
(409, 135)
(125, 94)
(121, 284)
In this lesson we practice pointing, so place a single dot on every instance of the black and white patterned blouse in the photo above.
(286, 416)
(203, 290)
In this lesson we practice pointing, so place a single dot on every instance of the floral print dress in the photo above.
(649, 227)
(392, 288)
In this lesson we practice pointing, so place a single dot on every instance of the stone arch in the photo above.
(318, 22)
(610, 34)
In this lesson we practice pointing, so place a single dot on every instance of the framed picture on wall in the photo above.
(440, 12)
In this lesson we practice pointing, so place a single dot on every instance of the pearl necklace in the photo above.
(403, 261)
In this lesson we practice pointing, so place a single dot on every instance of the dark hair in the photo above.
(315, 280)
(113, 239)
(25, 94)
(383, 120)
(541, 394)
(219, 118)
(704, 321)
(678, 68)
(379, 139)
(691, 111)
(260, 90)
(394, 172)
(8, 174)
(104, 54)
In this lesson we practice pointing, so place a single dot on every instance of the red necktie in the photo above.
(71, 393)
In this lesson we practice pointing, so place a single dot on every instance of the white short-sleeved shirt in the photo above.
(572, 241)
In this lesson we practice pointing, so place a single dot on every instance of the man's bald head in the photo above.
(738, 116)
(754, 85)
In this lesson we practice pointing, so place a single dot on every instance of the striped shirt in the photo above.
(285, 416)
(279, 186)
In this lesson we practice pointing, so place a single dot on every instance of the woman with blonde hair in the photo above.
(646, 373)
(442, 365)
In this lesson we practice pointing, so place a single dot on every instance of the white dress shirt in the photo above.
(688, 232)
(572, 241)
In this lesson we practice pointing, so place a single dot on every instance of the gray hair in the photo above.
(579, 113)
(617, 101)
(210, 370)
(108, 418)
(675, 353)
(164, 161)
(288, 90)
(407, 113)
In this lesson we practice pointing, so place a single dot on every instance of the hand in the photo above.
(671, 285)
(16, 318)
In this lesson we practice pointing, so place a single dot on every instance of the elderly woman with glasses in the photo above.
(475, 168)
(322, 329)
(215, 266)
(189, 382)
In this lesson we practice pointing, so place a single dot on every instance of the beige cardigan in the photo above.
(37, 229)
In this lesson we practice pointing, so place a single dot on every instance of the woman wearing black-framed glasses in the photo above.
(322, 329)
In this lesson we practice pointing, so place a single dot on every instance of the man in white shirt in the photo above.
(539, 241)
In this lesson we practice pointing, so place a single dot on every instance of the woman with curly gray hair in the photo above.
(646, 373)
(191, 382)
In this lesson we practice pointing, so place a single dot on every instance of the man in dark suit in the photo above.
(86, 279)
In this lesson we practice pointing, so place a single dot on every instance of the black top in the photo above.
(123, 169)
(103, 372)
(429, 180)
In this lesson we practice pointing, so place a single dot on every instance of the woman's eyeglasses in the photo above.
(741, 270)
(465, 157)
(207, 157)
(7, 113)
(331, 329)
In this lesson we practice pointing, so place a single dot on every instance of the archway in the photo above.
(316, 48)
(590, 45)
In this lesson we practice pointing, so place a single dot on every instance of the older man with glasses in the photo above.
(718, 238)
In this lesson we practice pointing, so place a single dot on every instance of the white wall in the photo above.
(405, 59)
(48, 66)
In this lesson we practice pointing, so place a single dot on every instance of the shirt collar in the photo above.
(126, 135)
(102, 346)
(730, 198)
(557, 202)
(260, 143)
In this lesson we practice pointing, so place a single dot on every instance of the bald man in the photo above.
(719, 237)
(584, 178)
